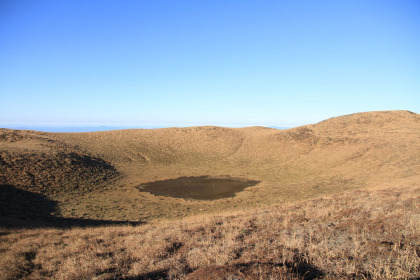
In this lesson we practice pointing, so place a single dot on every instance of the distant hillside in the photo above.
(91, 174)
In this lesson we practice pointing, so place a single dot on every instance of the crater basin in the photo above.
(199, 188)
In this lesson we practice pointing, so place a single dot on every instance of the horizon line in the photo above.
(93, 128)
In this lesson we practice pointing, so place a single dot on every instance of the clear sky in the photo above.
(284, 63)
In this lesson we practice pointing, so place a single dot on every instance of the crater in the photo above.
(199, 188)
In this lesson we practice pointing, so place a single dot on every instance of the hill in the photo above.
(96, 175)
(333, 200)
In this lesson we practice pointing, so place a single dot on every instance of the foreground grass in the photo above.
(359, 235)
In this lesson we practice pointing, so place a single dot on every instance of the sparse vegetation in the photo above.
(357, 235)
(335, 200)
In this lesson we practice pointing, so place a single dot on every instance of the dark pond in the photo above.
(200, 188)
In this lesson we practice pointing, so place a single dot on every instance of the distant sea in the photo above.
(75, 128)
(98, 128)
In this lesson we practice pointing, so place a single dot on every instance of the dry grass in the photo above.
(359, 235)
(96, 175)
(337, 200)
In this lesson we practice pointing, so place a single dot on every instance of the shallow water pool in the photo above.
(199, 188)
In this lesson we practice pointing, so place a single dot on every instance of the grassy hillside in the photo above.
(333, 200)
(359, 235)
(96, 175)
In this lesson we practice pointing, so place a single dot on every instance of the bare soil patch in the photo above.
(199, 188)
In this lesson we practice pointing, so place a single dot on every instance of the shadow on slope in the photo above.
(49, 173)
(24, 209)
(299, 269)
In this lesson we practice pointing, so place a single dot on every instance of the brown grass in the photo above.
(96, 175)
(335, 200)
(357, 235)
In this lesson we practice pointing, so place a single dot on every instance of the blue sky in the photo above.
(168, 63)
